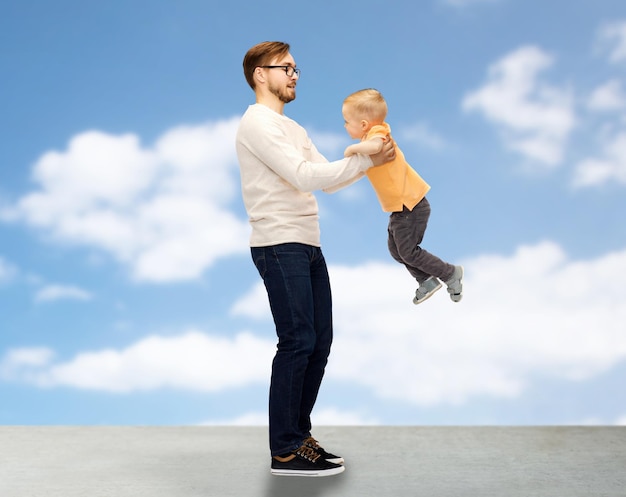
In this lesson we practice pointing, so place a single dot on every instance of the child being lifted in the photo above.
(402, 192)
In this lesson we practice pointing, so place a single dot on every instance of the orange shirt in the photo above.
(396, 183)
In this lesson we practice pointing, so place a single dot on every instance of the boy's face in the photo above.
(355, 127)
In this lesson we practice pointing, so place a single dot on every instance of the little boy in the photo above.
(402, 192)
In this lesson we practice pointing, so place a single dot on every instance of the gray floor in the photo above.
(380, 461)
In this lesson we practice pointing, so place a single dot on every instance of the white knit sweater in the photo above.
(280, 167)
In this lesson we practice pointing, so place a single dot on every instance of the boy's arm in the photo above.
(367, 147)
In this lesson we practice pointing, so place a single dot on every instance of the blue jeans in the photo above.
(297, 284)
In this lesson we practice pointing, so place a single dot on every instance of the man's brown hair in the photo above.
(261, 55)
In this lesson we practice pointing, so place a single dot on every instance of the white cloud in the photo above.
(608, 164)
(535, 119)
(247, 419)
(329, 416)
(7, 270)
(523, 317)
(331, 145)
(610, 167)
(421, 134)
(51, 293)
(20, 357)
(254, 304)
(531, 315)
(621, 421)
(597, 421)
(332, 416)
(17, 364)
(193, 360)
(613, 37)
(608, 97)
(163, 211)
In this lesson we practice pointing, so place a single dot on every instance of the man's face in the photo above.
(278, 83)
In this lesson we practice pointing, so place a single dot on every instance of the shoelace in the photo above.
(307, 453)
(311, 442)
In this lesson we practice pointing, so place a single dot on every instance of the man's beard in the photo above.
(285, 96)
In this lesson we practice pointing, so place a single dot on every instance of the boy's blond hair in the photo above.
(368, 104)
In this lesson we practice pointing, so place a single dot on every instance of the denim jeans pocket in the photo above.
(258, 256)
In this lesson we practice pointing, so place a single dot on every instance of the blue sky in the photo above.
(127, 293)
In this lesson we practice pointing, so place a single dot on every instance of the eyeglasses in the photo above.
(289, 70)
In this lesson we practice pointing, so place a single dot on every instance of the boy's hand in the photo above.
(349, 151)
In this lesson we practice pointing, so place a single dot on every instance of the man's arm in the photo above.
(386, 154)
(344, 184)
(266, 140)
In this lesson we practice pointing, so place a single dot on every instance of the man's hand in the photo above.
(387, 154)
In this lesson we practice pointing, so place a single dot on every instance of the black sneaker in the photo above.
(304, 462)
(313, 444)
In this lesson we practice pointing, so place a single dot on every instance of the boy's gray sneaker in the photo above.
(455, 284)
(426, 289)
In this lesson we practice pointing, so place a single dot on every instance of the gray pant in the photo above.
(406, 232)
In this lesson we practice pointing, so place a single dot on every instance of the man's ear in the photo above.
(259, 76)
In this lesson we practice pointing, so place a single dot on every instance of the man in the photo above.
(280, 167)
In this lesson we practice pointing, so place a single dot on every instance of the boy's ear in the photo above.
(364, 124)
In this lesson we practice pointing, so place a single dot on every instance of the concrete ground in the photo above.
(380, 461)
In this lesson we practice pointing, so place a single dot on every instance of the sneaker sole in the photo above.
(309, 473)
(428, 295)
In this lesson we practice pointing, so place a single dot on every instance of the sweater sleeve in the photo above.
(343, 184)
(288, 151)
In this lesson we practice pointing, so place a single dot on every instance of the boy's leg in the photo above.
(428, 285)
(420, 276)
(407, 229)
